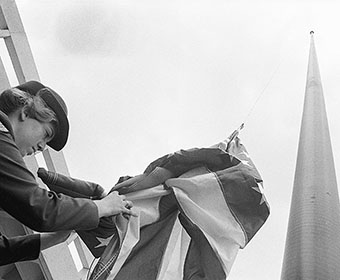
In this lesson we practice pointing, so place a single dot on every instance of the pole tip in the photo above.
(311, 33)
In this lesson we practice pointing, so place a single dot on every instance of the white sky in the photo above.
(146, 78)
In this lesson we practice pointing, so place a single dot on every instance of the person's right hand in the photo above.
(114, 204)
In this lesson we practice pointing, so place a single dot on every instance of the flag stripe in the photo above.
(154, 234)
(144, 261)
(201, 262)
(174, 257)
(199, 195)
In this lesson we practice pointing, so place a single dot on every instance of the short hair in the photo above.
(13, 99)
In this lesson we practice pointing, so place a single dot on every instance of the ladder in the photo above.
(71, 259)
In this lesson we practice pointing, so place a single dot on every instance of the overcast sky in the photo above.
(146, 78)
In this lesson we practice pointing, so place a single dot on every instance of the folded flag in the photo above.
(196, 207)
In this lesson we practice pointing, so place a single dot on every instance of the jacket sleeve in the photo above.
(73, 187)
(21, 248)
(35, 207)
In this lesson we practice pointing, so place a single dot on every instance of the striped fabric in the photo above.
(196, 207)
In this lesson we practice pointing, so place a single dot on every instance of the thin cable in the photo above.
(262, 92)
(289, 29)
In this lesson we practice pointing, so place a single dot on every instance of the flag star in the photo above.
(103, 241)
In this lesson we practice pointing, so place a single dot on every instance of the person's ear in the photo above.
(23, 114)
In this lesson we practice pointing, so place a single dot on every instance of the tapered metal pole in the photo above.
(313, 238)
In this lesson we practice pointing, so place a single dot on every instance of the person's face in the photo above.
(31, 135)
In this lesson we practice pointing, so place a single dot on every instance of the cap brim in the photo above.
(61, 134)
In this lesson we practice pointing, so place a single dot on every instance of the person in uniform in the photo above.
(31, 117)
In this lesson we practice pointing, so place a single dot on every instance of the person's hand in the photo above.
(49, 239)
(114, 204)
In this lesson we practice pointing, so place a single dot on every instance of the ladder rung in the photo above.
(4, 33)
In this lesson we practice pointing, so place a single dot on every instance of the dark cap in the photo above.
(54, 101)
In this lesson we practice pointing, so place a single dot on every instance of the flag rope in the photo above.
(286, 49)
(262, 92)
(257, 99)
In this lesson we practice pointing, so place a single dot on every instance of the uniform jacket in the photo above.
(35, 207)
(19, 248)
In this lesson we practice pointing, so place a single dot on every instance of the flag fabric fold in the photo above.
(196, 207)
